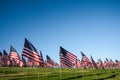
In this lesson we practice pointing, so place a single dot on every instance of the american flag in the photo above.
(107, 60)
(30, 52)
(22, 62)
(117, 64)
(85, 61)
(111, 63)
(14, 57)
(93, 63)
(42, 60)
(78, 64)
(84, 58)
(100, 64)
(50, 62)
(0, 58)
(67, 59)
(0, 53)
(5, 58)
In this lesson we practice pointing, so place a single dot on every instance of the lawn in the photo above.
(27, 73)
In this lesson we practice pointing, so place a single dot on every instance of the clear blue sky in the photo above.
(91, 26)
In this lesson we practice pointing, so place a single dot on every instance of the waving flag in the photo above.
(22, 62)
(42, 60)
(67, 59)
(111, 63)
(100, 64)
(0, 54)
(0, 58)
(93, 63)
(50, 62)
(5, 58)
(107, 60)
(86, 63)
(84, 58)
(14, 57)
(78, 64)
(31, 53)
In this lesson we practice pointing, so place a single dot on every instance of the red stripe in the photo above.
(14, 55)
(31, 57)
(32, 54)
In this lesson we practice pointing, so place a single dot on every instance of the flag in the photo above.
(50, 62)
(23, 62)
(42, 60)
(111, 63)
(86, 63)
(14, 56)
(100, 64)
(107, 63)
(31, 53)
(78, 64)
(93, 63)
(0, 58)
(117, 64)
(30, 62)
(84, 58)
(107, 60)
(5, 58)
(0, 53)
(67, 59)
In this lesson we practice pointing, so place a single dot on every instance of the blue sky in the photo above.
(91, 26)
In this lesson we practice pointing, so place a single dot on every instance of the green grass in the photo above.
(15, 73)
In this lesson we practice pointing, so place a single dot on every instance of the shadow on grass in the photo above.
(111, 76)
(80, 76)
(53, 76)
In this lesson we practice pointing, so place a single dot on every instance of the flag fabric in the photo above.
(100, 64)
(94, 63)
(117, 64)
(85, 62)
(0, 54)
(67, 59)
(30, 62)
(107, 63)
(50, 62)
(84, 58)
(112, 63)
(78, 64)
(107, 60)
(5, 59)
(31, 53)
(42, 60)
(14, 56)
(22, 62)
(0, 58)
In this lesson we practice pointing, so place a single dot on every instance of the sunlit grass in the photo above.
(16, 73)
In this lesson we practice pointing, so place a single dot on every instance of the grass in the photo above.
(16, 73)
